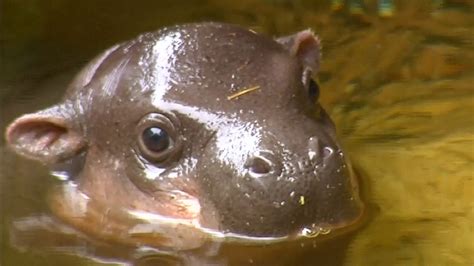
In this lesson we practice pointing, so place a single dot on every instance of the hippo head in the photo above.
(207, 126)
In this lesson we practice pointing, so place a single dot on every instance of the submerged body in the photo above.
(191, 133)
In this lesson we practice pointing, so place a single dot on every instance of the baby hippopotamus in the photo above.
(191, 133)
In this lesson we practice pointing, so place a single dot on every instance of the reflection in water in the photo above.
(400, 91)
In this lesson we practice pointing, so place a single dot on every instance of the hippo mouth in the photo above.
(142, 228)
(126, 226)
(136, 227)
(114, 209)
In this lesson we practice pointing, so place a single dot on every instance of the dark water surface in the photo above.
(400, 90)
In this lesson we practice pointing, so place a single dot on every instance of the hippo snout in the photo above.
(267, 163)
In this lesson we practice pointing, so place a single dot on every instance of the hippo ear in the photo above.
(306, 47)
(45, 136)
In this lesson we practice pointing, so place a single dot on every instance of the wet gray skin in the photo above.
(154, 125)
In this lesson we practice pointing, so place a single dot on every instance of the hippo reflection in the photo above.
(204, 129)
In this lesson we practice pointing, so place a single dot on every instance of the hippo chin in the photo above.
(195, 131)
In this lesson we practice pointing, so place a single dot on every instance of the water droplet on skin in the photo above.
(315, 172)
(308, 232)
(302, 200)
(301, 165)
(324, 231)
(61, 175)
(314, 231)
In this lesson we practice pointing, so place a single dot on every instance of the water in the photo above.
(400, 90)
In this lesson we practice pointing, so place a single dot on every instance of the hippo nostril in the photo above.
(258, 165)
(327, 151)
(263, 163)
(318, 150)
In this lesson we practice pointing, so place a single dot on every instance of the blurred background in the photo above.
(397, 77)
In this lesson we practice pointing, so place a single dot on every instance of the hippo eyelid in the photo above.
(165, 123)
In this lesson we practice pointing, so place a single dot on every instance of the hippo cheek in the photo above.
(104, 203)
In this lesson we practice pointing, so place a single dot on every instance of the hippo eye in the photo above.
(156, 139)
(313, 90)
